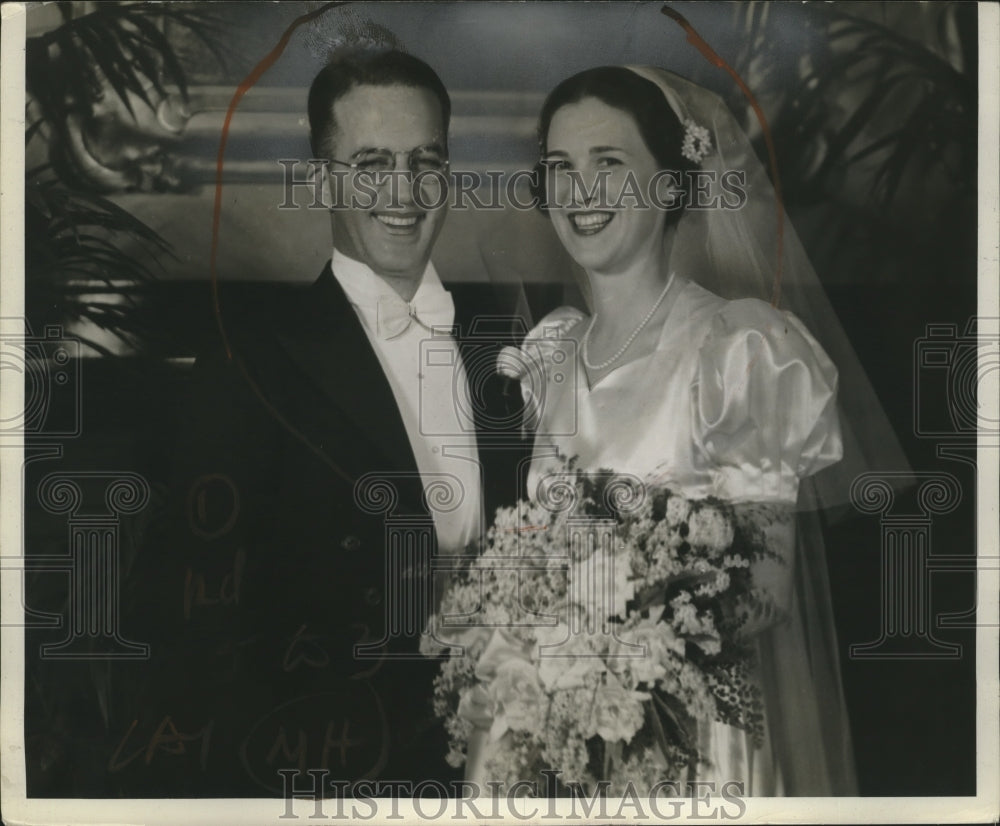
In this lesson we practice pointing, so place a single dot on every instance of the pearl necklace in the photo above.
(629, 340)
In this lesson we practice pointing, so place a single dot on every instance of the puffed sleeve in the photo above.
(764, 404)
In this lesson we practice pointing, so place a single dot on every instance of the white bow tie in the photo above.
(430, 309)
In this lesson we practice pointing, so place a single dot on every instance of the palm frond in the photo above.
(158, 42)
(31, 130)
(870, 96)
(124, 44)
(77, 264)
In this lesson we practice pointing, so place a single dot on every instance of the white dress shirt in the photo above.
(425, 372)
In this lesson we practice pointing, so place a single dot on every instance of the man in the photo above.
(329, 450)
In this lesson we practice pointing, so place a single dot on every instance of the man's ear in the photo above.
(320, 172)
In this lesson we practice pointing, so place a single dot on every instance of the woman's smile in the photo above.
(590, 223)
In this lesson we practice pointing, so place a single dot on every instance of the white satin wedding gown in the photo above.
(737, 401)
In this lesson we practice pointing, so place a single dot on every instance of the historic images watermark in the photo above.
(49, 368)
(550, 797)
(544, 187)
(907, 621)
(963, 368)
(954, 373)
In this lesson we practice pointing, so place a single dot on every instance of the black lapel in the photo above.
(482, 328)
(485, 322)
(324, 338)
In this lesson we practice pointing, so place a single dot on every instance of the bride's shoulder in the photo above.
(556, 324)
(717, 319)
(749, 314)
(752, 318)
(545, 346)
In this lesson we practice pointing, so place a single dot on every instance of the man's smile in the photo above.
(399, 224)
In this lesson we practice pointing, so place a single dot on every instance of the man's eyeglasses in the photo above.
(380, 161)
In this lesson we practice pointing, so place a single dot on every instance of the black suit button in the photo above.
(373, 596)
(350, 543)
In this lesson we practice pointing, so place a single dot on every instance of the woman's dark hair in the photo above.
(360, 66)
(623, 89)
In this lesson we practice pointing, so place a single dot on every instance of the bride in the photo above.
(730, 397)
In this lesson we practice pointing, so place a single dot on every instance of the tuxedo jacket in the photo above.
(274, 565)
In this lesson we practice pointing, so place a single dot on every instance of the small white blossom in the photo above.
(697, 142)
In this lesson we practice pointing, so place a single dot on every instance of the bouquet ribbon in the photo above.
(476, 705)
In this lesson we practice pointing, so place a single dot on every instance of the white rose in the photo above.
(518, 697)
(678, 510)
(709, 528)
(617, 713)
(567, 660)
(476, 706)
(600, 584)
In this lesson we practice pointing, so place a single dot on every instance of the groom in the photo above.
(328, 450)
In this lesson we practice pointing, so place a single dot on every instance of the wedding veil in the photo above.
(739, 253)
(746, 252)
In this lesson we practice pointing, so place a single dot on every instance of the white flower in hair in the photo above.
(697, 142)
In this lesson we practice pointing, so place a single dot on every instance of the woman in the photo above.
(727, 398)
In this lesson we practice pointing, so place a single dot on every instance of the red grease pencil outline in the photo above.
(713, 57)
(248, 82)
(272, 57)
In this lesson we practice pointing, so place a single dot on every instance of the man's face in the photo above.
(396, 234)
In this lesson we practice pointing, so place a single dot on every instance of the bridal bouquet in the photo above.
(596, 627)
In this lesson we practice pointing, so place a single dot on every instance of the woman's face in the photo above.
(596, 158)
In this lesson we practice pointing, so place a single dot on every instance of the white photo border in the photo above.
(18, 809)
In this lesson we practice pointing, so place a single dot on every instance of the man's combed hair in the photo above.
(366, 67)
